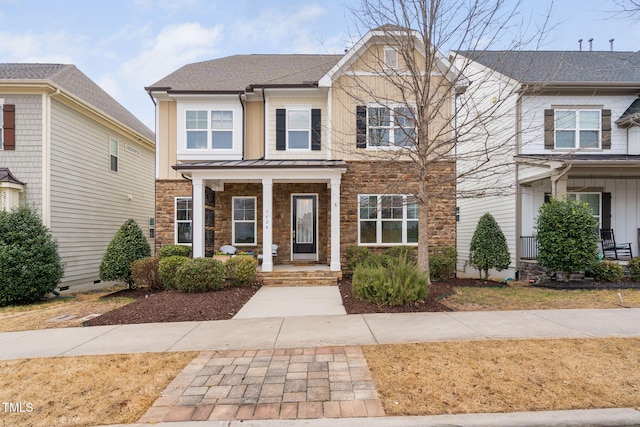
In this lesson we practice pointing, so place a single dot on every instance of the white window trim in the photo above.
(287, 129)
(391, 128)
(254, 221)
(176, 221)
(210, 129)
(222, 103)
(577, 129)
(379, 220)
(116, 155)
(387, 59)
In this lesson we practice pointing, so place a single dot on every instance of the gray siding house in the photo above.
(76, 155)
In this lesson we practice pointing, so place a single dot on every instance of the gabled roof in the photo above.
(562, 67)
(67, 77)
(631, 116)
(234, 74)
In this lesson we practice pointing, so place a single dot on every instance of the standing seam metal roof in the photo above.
(70, 78)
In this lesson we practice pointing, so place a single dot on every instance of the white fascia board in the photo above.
(348, 58)
(289, 175)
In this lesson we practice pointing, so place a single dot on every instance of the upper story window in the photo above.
(390, 57)
(1, 126)
(390, 126)
(113, 154)
(577, 128)
(298, 128)
(209, 129)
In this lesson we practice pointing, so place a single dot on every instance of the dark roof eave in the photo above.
(282, 86)
(590, 85)
(262, 164)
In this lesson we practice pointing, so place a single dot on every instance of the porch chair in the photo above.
(610, 247)
(274, 252)
(228, 249)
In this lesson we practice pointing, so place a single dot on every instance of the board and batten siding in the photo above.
(89, 202)
(25, 162)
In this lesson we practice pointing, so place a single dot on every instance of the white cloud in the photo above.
(44, 47)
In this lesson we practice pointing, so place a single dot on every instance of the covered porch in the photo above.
(609, 184)
(254, 204)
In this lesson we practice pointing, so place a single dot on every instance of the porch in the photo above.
(299, 275)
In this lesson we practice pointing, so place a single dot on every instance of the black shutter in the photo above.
(549, 129)
(361, 126)
(281, 129)
(9, 127)
(547, 197)
(315, 129)
(606, 210)
(606, 131)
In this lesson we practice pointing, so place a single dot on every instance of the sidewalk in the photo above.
(320, 331)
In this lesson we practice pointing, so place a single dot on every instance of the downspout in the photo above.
(243, 124)
(264, 124)
(555, 179)
(518, 213)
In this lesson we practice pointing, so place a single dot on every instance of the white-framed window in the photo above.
(298, 129)
(594, 200)
(390, 57)
(209, 129)
(183, 221)
(387, 220)
(577, 128)
(152, 228)
(390, 126)
(244, 221)
(113, 154)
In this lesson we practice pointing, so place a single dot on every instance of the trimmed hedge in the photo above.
(167, 268)
(144, 272)
(200, 275)
(171, 250)
(442, 263)
(241, 270)
(634, 268)
(607, 271)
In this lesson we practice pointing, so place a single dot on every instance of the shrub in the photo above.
(567, 237)
(200, 275)
(375, 260)
(355, 255)
(241, 270)
(607, 271)
(634, 268)
(488, 249)
(128, 245)
(167, 268)
(442, 263)
(397, 283)
(171, 250)
(144, 272)
(29, 259)
(408, 252)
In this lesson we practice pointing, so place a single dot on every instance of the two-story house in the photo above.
(262, 150)
(83, 161)
(568, 122)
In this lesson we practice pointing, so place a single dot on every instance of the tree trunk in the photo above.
(423, 229)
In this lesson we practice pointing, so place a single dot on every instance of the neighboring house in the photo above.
(569, 124)
(255, 150)
(83, 161)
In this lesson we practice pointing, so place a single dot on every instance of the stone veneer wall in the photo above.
(166, 192)
(281, 216)
(392, 178)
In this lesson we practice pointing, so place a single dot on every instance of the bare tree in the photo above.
(435, 124)
(628, 7)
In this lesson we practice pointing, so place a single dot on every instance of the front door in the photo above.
(304, 227)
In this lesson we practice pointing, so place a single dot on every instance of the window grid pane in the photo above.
(394, 224)
(244, 220)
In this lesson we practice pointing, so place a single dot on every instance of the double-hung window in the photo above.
(387, 220)
(390, 126)
(183, 221)
(209, 129)
(299, 129)
(577, 128)
(244, 220)
(113, 154)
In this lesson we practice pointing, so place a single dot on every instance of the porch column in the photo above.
(267, 224)
(197, 226)
(335, 224)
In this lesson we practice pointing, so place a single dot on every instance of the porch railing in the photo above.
(528, 247)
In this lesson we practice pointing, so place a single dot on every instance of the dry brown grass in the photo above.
(86, 390)
(468, 298)
(506, 376)
(36, 316)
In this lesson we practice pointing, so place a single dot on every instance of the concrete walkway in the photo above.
(320, 331)
(293, 301)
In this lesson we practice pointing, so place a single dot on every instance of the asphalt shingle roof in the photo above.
(562, 66)
(236, 73)
(74, 81)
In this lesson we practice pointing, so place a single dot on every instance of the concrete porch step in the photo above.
(300, 276)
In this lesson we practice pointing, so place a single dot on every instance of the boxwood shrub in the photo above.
(200, 275)
(241, 270)
(607, 271)
(171, 250)
(634, 268)
(128, 245)
(167, 268)
(144, 272)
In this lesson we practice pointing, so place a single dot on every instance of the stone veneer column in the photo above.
(197, 227)
(267, 224)
(335, 224)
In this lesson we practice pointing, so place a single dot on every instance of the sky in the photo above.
(125, 45)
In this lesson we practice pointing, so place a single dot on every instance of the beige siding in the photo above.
(89, 202)
(167, 145)
(276, 102)
(254, 130)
